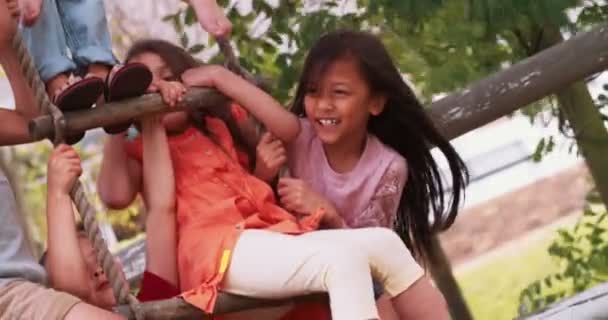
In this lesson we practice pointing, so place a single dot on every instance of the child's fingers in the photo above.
(279, 150)
(60, 148)
(180, 91)
(70, 154)
(288, 202)
(172, 96)
(276, 157)
(166, 96)
(275, 144)
(286, 182)
(280, 161)
(266, 138)
(284, 188)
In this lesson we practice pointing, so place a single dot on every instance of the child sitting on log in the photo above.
(363, 136)
(232, 235)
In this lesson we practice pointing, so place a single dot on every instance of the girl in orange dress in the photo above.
(230, 233)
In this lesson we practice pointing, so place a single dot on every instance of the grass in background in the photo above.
(492, 286)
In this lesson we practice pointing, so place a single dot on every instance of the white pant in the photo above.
(341, 262)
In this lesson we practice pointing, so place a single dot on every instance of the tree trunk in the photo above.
(444, 278)
(586, 121)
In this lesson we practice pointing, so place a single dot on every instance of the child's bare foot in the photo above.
(98, 70)
(31, 10)
(56, 85)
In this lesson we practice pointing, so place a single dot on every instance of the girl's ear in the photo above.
(377, 104)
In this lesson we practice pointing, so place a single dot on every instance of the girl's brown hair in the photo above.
(178, 61)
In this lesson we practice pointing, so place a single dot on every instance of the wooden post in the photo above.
(529, 80)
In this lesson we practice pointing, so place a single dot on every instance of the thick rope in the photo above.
(232, 61)
(119, 284)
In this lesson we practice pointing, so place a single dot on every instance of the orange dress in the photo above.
(216, 200)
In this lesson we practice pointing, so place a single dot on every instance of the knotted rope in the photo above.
(120, 287)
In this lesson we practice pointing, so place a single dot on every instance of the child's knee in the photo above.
(340, 263)
(385, 239)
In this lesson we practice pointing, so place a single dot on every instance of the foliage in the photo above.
(509, 270)
(582, 253)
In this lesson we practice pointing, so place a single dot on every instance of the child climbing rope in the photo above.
(76, 79)
(70, 260)
(359, 123)
(22, 291)
(249, 245)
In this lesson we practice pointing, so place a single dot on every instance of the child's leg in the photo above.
(414, 297)
(421, 301)
(272, 265)
(87, 34)
(47, 43)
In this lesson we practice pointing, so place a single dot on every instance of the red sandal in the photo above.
(129, 81)
(80, 95)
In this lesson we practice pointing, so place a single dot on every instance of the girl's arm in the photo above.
(280, 122)
(119, 179)
(65, 264)
(297, 196)
(159, 196)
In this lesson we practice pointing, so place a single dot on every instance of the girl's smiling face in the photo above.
(338, 104)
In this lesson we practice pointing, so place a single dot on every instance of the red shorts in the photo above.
(154, 287)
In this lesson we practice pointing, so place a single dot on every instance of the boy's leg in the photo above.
(272, 265)
(26, 300)
(47, 43)
(87, 34)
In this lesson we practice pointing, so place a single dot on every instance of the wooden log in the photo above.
(177, 308)
(487, 100)
(530, 80)
(119, 112)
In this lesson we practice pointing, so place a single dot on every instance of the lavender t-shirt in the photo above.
(366, 196)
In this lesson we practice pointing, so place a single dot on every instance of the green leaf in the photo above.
(184, 41)
(190, 17)
(196, 48)
(538, 152)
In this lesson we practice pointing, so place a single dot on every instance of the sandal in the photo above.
(126, 81)
(80, 95)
